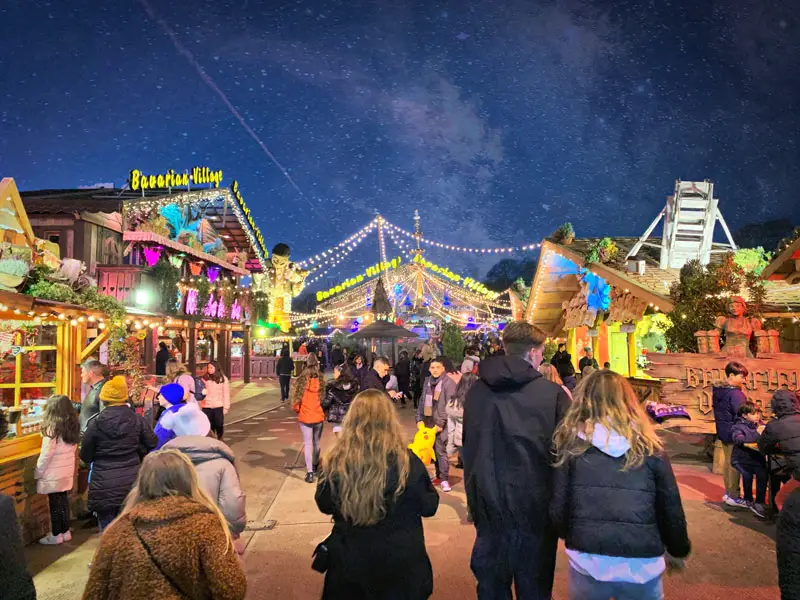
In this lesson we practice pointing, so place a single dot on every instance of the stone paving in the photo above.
(734, 553)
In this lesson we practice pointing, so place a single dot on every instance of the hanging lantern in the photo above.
(176, 260)
(195, 268)
(213, 273)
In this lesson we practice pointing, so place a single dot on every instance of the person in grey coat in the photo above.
(215, 464)
(437, 391)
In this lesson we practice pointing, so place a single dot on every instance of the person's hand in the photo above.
(225, 411)
(674, 564)
(438, 429)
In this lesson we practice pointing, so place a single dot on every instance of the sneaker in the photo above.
(68, 536)
(734, 502)
(52, 540)
(759, 510)
(309, 477)
(446, 486)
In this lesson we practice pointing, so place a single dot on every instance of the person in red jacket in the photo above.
(307, 395)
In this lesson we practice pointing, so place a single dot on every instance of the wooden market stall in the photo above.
(170, 248)
(608, 307)
(42, 344)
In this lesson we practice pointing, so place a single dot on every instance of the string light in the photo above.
(464, 249)
(319, 258)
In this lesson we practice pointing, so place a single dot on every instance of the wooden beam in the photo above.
(9, 189)
(781, 259)
(617, 279)
(94, 345)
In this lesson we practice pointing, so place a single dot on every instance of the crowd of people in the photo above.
(543, 460)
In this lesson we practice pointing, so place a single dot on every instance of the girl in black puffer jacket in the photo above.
(339, 393)
(615, 501)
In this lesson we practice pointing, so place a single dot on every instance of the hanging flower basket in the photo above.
(627, 328)
(593, 333)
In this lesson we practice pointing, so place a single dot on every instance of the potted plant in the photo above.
(565, 234)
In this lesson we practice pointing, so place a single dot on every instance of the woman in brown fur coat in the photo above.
(170, 542)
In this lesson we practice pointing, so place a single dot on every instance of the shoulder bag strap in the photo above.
(158, 566)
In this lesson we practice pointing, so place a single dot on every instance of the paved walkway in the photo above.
(734, 553)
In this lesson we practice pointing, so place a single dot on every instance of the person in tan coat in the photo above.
(171, 542)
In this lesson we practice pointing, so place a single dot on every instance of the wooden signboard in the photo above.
(687, 380)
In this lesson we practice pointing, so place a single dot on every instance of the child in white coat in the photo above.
(55, 469)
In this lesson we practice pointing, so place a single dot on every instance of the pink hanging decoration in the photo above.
(152, 254)
(236, 311)
(191, 302)
(213, 273)
(221, 312)
(211, 307)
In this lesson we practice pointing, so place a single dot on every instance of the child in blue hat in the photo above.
(170, 396)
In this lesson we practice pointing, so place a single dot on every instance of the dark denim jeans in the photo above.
(583, 587)
(104, 518)
(524, 559)
(284, 380)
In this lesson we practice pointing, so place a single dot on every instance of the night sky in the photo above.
(499, 120)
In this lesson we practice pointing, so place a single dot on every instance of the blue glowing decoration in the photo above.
(369, 297)
(407, 302)
(398, 290)
(598, 295)
(598, 290)
(446, 300)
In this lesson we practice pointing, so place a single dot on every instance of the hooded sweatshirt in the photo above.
(782, 434)
(510, 415)
(614, 568)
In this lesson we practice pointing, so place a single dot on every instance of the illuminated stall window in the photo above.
(29, 362)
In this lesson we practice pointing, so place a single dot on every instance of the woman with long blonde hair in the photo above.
(616, 502)
(377, 491)
(551, 374)
(170, 542)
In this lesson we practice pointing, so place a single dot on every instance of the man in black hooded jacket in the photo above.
(510, 415)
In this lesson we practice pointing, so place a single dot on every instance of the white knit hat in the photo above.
(191, 420)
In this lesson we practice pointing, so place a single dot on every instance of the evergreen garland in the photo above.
(166, 278)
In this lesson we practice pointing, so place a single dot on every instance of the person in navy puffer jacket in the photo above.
(726, 398)
(615, 500)
(749, 462)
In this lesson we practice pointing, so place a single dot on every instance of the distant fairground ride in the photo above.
(422, 295)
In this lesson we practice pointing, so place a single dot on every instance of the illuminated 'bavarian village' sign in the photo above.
(246, 212)
(170, 179)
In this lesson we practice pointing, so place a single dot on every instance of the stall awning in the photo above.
(153, 238)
